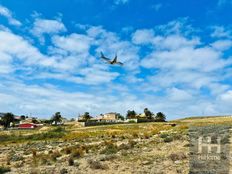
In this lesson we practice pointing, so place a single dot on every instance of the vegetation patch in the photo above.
(94, 164)
(110, 148)
(4, 169)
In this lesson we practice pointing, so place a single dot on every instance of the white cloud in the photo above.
(185, 69)
(75, 43)
(222, 44)
(45, 100)
(178, 95)
(221, 32)
(66, 65)
(8, 14)
(47, 26)
(143, 36)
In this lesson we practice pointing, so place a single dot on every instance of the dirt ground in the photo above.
(159, 148)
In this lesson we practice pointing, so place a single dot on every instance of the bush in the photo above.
(160, 117)
(55, 133)
(67, 150)
(55, 155)
(96, 165)
(77, 153)
(63, 171)
(70, 161)
(44, 160)
(109, 149)
(16, 157)
(146, 136)
(164, 135)
(177, 156)
(4, 169)
(135, 135)
(132, 143)
(168, 139)
(124, 146)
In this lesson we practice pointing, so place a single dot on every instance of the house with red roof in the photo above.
(27, 126)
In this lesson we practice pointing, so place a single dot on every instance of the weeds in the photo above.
(110, 148)
(94, 164)
(4, 169)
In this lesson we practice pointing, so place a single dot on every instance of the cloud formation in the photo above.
(168, 68)
(8, 14)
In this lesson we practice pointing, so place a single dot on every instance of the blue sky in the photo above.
(177, 56)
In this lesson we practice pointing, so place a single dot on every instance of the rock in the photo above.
(177, 162)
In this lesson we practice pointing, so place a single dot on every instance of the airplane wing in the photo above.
(120, 63)
(103, 57)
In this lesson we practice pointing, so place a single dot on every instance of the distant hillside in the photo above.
(204, 117)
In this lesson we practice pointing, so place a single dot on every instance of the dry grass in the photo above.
(123, 147)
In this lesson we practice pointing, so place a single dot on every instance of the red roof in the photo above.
(27, 126)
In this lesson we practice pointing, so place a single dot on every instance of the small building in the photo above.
(141, 115)
(27, 126)
(108, 117)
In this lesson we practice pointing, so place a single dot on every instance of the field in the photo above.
(159, 148)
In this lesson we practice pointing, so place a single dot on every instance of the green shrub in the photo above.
(4, 169)
(164, 135)
(94, 164)
(168, 139)
(58, 129)
(109, 149)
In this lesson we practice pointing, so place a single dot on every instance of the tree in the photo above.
(131, 114)
(57, 118)
(148, 113)
(22, 117)
(7, 119)
(160, 117)
(119, 116)
(86, 116)
(35, 121)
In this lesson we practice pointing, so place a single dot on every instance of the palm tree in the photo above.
(161, 117)
(7, 119)
(57, 118)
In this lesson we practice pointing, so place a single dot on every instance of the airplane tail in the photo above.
(102, 55)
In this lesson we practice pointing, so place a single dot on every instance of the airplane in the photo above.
(112, 62)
